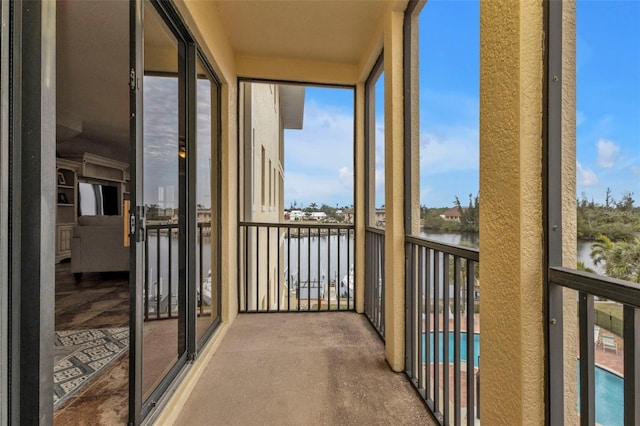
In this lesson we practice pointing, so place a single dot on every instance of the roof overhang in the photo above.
(292, 105)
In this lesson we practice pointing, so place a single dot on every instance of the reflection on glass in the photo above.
(207, 282)
(161, 128)
(379, 152)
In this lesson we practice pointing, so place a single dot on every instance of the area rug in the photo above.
(81, 354)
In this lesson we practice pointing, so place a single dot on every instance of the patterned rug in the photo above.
(81, 354)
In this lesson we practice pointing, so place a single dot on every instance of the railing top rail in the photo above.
(299, 225)
(374, 230)
(175, 225)
(612, 289)
(162, 226)
(464, 252)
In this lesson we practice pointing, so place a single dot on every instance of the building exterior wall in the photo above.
(263, 134)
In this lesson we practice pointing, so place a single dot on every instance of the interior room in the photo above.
(93, 196)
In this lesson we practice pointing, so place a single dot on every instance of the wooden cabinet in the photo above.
(66, 208)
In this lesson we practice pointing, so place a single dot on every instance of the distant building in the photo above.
(318, 216)
(296, 215)
(453, 213)
(380, 217)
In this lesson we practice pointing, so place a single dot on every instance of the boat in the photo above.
(206, 290)
(346, 288)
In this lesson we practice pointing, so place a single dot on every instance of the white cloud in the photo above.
(345, 176)
(324, 144)
(455, 148)
(585, 177)
(607, 153)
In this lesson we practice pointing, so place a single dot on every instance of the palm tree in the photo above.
(601, 249)
(621, 259)
(582, 267)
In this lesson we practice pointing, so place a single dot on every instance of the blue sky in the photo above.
(319, 158)
(608, 98)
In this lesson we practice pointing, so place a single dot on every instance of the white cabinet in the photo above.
(66, 208)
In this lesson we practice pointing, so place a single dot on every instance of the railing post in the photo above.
(587, 378)
(631, 366)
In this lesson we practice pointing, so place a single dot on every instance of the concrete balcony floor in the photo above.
(301, 369)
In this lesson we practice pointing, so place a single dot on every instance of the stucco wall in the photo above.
(511, 76)
(394, 190)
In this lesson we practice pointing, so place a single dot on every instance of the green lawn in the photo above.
(610, 308)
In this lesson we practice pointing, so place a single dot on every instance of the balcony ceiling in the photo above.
(316, 30)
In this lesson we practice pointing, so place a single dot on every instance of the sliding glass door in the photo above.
(175, 113)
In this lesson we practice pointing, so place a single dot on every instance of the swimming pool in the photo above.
(609, 390)
(463, 347)
(608, 386)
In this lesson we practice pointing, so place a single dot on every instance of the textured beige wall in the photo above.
(512, 341)
(394, 190)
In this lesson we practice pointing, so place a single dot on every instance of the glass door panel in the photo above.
(162, 152)
(207, 239)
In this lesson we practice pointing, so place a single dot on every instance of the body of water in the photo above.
(472, 240)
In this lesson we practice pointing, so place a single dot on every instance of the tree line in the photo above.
(618, 220)
(431, 218)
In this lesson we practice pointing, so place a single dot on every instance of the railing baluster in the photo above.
(257, 308)
(170, 269)
(382, 288)
(146, 275)
(329, 269)
(288, 268)
(299, 271)
(445, 337)
(158, 289)
(246, 268)
(456, 342)
(470, 345)
(201, 241)
(279, 273)
(436, 331)
(631, 366)
(587, 373)
(349, 303)
(319, 269)
(308, 269)
(268, 268)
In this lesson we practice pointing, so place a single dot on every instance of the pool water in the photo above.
(608, 386)
(463, 347)
(609, 397)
